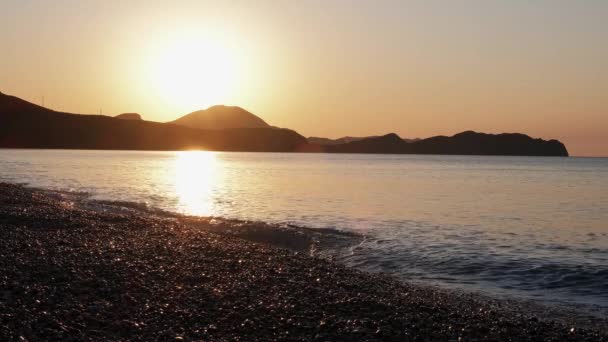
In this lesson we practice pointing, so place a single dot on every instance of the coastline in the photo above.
(73, 272)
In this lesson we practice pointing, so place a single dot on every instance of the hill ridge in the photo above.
(221, 117)
(27, 125)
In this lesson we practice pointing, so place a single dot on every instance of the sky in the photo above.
(323, 68)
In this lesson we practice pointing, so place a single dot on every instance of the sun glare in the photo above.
(196, 175)
(194, 72)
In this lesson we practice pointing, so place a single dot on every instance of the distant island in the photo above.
(224, 128)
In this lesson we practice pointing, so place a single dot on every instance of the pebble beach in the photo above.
(71, 273)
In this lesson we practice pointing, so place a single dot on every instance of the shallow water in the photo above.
(524, 226)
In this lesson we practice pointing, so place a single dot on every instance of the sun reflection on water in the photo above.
(196, 175)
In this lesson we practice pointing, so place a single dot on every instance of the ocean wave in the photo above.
(319, 242)
(578, 277)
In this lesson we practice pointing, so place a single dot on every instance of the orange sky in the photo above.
(323, 68)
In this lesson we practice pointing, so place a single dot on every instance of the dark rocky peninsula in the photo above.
(465, 143)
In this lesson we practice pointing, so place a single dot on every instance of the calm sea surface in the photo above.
(521, 226)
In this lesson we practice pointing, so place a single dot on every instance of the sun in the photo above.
(194, 72)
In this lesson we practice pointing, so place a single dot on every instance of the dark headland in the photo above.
(26, 125)
(85, 272)
(465, 143)
(223, 128)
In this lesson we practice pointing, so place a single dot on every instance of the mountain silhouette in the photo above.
(26, 125)
(221, 117)
(465, 143)
(470, 142)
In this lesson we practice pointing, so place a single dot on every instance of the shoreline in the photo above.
(72, 272)
(335, 244)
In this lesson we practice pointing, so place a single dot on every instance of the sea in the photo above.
(529, 228)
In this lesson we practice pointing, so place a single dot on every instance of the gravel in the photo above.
(71, 273)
